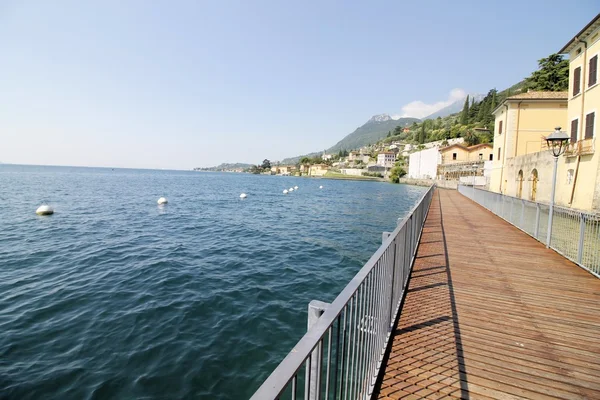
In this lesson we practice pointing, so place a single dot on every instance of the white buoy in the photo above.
(285, 191)
(295, 187)
(162, 200)
(243, 196)
(290, 189)
(44, 210)
(321, 187)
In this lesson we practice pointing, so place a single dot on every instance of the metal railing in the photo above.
(340, 355)
(575, 234)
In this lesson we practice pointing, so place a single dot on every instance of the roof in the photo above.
(582, 35)
(469, 149)
(386, 152)
(540, 96)
(535, 96)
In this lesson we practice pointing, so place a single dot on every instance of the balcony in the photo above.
(581, 148)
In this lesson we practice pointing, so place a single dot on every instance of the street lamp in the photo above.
(557, 142)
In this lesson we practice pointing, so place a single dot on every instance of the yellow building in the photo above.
(582, 160)
(523, 165)
(318, 169)
(458, 153)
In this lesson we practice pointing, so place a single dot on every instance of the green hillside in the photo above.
(374, 130)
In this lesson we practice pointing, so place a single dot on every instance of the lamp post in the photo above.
(557, 142)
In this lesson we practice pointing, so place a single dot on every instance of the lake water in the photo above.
(116, 297)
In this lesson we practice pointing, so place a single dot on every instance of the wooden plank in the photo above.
(491, 313)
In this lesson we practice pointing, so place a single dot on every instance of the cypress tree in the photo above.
(464, 117)
(422, 135)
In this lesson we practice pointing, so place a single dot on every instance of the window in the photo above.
(574, 129)
(480, 157)
(491, 156)
(500, 128)
(592, 77)
(576, 81)
(589, 125)
(454, 156)
(499, 154)
(570, 174)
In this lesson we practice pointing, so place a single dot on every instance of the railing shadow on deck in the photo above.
(425, 353)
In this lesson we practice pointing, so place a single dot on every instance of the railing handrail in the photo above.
(277, 381)
(557, 207)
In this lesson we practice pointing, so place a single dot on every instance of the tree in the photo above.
(422, 134)
(473, 111)
(552, 75)
(471, 138)
(389, 134)
(397, 172)
(464, 116)
(305, 160)
(266, 164)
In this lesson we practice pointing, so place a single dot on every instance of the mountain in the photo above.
(455, 107)
(225, 167)
(372, 131)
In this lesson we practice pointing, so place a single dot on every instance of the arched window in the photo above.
(520, 184)
(534, 181)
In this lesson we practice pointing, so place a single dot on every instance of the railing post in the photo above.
(391, 322)
(316, 308)
(581, 238)
(384, 236)
(537, 220)
(522, 214)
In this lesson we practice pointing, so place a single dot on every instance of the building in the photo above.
(327, 156)
(521, 124)
(424, 164)
(458, 153)
(386, 159)
(459, 162)
(524, 167)
(318, 169)
(353, 155)
(579, 176)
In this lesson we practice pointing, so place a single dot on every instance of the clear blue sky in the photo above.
(179, 84)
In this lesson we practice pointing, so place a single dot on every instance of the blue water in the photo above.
(116, 297)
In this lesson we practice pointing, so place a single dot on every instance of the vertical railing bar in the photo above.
(337, 358)
(358, 339)
(354, 334)
(294, 386)
(368, 342)
(319, 371)
(581, 238)
(349, 338)
(308, 368)
(328, 363)
(343, 352)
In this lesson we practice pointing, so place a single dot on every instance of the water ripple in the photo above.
(114, 297)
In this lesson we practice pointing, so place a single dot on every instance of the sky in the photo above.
(184, 84)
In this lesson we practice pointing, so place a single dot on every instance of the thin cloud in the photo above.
(419, 109)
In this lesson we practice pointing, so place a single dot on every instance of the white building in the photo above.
(423, 164)
(386, 159)
(327, 156)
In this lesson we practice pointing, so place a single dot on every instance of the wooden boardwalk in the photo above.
(491, 313)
